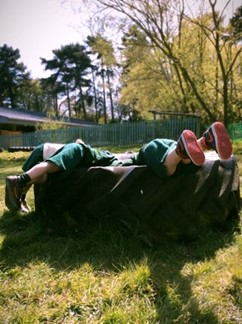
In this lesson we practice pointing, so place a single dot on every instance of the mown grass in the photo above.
(108, 275)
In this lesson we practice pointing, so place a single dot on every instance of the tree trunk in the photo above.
(104, 98)
(111, 98)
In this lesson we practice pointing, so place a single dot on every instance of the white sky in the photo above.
(36, 27)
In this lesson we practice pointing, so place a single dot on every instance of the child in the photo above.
(161, 155)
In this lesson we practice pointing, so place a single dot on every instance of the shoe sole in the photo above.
(222, 141)
(192, 148)
(8, 202)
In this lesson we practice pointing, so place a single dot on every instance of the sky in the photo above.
(37, 27)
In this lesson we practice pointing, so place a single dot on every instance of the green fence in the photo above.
(235, 131)
(126, 134)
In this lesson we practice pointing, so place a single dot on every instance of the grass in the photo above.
(107, 275)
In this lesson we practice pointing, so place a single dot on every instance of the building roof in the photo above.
(30, 118)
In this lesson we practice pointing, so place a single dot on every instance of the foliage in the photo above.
(107, 275)
(203, 70)
(236, 23)
(12, 74)
(103, 48)
(32, 96)
(50, 124)
(70, 66)
(139, 74)
(104, 68)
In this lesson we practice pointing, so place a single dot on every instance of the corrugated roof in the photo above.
(30, 118)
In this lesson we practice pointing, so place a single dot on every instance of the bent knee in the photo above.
(52, 167)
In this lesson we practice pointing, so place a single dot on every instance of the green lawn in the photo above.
(108, 275)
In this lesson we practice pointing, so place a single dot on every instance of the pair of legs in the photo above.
(173, 157)
(190, 149)
(39, 172)
(187, 149)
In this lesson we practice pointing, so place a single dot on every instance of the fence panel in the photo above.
(235, 131)
(126, 134)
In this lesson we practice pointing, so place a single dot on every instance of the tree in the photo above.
(12, 74)
(52, 87)
(236, 23)
(227, 54)
(164, 24)
(70, 65)
(105, 54)
(32, 96)
(139, 74)
(236, 80)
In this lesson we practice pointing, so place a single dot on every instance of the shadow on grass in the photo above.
(110, 247)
